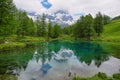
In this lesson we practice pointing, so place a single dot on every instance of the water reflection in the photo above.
(15, 59)
(54, 60)
(85, 51)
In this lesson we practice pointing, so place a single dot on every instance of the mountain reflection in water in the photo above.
(54, 60)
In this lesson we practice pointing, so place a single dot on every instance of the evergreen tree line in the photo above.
(16, 22)
(47, 29)
(88, 27)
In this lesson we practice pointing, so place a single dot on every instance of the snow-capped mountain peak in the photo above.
(61, 17)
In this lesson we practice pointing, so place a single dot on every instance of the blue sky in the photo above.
(79, 14)
(74, 7)
(46, 4)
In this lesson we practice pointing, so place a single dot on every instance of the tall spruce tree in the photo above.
(57, 31)
(79, 28)
(98, 24)
(31, 27)
(89, 29)
(38, 27)
(49, 29)
(44, 26)
(106, 19)
(22, 28)
(26, 25)
(7, 11)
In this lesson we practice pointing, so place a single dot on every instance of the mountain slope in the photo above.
(112, 31)
(61, 17)
(115, 18)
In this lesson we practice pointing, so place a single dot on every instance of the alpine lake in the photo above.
(55, 60)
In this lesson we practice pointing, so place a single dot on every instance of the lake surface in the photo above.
(54, 60)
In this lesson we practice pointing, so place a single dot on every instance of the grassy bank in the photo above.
(112, 31)
(30, 39)
(8, 77)
(13, 42)
(63, 38)
(11, 45)
(100, 76)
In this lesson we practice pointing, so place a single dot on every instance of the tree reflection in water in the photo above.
(58, 58)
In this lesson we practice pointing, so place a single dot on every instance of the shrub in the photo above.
(116, 76)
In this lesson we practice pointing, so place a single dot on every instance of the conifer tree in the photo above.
(98, 24)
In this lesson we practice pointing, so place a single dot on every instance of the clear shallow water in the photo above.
(54, 60)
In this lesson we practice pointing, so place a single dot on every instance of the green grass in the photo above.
(63, 38)
(100, 76)
(12, 42)
(11, 45)
(31, 39)
(7, 77)
(112, 31)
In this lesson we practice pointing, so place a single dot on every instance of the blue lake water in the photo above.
(54, 60)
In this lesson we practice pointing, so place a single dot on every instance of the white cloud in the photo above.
(30, 5)
(109, 7)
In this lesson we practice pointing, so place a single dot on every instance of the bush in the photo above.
(77, 78)
(116, 76)
(99, 76)
(102, 75)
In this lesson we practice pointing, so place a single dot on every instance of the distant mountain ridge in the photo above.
(61, 17)
(115, 18)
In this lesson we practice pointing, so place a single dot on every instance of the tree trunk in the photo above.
(89, 38)
(98, 34)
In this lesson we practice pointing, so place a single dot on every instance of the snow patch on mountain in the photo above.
(61, 17)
